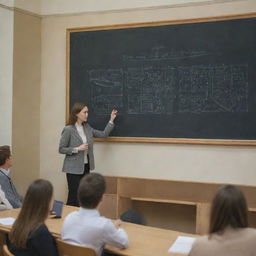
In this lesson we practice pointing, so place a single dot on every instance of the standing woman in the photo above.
(77, 144)
(29, 235)
(229, 231)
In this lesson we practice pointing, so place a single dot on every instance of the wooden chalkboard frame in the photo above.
(226, 142)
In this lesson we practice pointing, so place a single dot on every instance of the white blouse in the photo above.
(80, 130)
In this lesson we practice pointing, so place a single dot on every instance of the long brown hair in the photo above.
(229, 208)
(77, 107)
(34, 211)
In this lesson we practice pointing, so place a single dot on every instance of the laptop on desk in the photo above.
(57, 209)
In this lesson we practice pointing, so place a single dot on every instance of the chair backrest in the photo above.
(2, 242)
(6, 251)
(67, 249)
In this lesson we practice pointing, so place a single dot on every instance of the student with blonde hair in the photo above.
(229, 232)
(29, 235)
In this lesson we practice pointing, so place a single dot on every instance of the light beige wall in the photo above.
(28, 5)
(181, 162)
(6, 62)
(9, 3)
(80, 6)
(26, 99)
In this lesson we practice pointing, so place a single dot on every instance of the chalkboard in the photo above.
(192, 80)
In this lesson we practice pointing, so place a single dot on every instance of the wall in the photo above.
(33, 6)
(6, 62)
(51, 7)
(26, 99)
(179, 162)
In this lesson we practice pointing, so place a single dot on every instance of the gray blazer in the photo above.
(74, 162)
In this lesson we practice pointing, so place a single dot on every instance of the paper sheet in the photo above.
(182, 245)
(7, 221)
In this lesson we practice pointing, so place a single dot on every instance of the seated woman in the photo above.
(29, 235)
(229, 232)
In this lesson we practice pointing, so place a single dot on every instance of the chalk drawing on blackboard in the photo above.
(230, 87)
(213, 88)
(159, 53)
(152, 88)
(106, 88)
(165, 90)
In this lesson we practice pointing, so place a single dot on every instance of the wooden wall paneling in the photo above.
(202, 218)
(176, 190)
(123, 204)
(167, 189)
(111, 184)
(252, 218)
(178, 217)
(250, 195)
(151, 197)
(108, 206)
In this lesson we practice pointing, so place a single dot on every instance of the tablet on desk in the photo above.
(57, 209)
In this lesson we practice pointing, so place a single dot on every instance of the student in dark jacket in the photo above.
(29, 235)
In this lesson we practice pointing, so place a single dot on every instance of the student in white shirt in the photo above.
(6, 182)
(4, 203)
(86, 226)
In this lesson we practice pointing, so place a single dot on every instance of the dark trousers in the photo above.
(73, 183)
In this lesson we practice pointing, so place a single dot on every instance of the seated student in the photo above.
(86, 226)
(29, 235)
(5, 181)
(229, 232)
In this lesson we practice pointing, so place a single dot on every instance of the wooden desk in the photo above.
(54, 225)
(148, 241)
(143, 240)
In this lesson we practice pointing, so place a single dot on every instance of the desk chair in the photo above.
(67, 249)
(2, 241)
(6, 251)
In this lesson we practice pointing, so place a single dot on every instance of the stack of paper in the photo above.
(7, 221)
(182, 245)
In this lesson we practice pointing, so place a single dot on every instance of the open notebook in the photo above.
(182, 245)
(7, 221)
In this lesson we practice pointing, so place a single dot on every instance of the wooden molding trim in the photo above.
(161, 23)
(220, 142)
